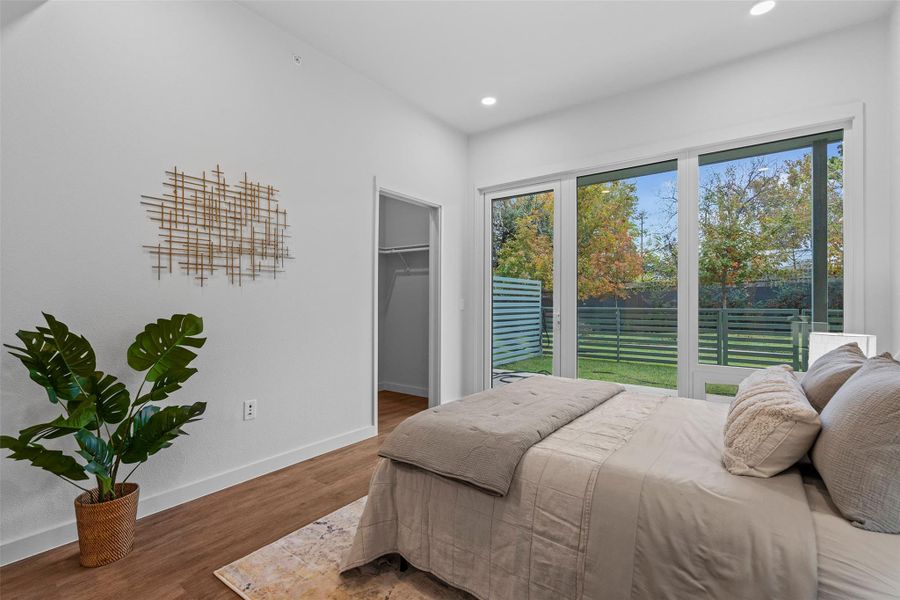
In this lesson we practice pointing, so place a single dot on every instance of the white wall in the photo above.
(847, 66)
(894, 168)
(403, 302)
(98, 99)
(403, 223)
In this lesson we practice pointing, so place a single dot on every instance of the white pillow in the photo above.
(770, 425)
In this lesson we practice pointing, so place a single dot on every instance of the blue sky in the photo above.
(651, 187)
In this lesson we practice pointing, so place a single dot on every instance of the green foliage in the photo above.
(152, 434)
(74, 350)
(111, 396)
(166, 384)
(64, 364)
(754, 227)
(45, 366)
(83, 416)
(163, 345)
(608, 259)
(53, 461)
(523, 238)
(100, 457)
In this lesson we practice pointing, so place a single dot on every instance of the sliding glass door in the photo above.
(627, 275)
(523, 284)
(678, 273)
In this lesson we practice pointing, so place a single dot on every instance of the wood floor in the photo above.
(177, 550)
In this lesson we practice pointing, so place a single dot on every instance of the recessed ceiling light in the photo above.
(761, 8)
(489, 101)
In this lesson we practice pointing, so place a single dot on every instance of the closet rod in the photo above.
(399, 249)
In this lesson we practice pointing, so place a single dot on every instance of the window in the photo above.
(675, 273)
(770, 250)
(627, 235)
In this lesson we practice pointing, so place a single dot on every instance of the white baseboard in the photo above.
(63, 534)
(402, 388)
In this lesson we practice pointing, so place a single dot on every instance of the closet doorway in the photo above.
(407, 298)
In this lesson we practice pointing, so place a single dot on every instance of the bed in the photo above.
(627, 500)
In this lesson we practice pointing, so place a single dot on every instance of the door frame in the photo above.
(559, 218)
(435, 236)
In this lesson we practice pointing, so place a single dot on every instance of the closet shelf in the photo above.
(401, 249)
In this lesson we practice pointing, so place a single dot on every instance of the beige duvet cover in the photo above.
(628, 501)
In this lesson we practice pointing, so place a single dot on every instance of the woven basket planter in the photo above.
(106, 529)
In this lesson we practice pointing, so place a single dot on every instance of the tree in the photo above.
(795, 191)
(608, 259)
(506, 213)
(660, 257)
(743, 227)
(523, 238)
(754, 226)
(756, 223)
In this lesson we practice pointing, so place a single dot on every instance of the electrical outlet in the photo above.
(249, 410)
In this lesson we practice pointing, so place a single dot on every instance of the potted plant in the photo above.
(113, 430)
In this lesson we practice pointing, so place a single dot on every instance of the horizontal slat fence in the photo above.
(516, 319)
(628, 334)
(745, 337)
(742, 337)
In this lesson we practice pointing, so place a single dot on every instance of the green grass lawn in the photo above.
(663, 376)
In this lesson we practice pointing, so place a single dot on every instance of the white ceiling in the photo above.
(537, 57)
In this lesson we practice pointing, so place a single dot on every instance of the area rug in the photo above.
(304, 564)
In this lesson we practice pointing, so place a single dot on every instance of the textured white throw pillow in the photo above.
(770, 425)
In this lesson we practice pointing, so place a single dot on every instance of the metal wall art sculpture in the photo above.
(207, 224)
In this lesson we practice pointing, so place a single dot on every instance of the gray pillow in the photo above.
(825, 376)
(858, 451)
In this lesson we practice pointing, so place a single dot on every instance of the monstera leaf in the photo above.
(123, 434)
(166, 384)
(143, 415)
(45, 366)
(155, 429)
(83, 416)
(50, 460)
(163, 345)
(110, 396)
(74, 350)
(100, 458)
